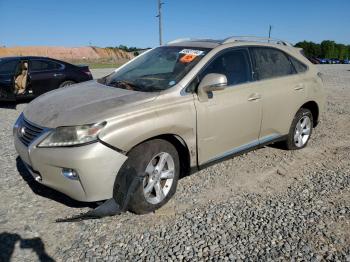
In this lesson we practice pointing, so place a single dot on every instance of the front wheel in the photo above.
(157, 161)
(300, 130)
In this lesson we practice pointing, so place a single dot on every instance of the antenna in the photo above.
(270, 28)
(160, 21)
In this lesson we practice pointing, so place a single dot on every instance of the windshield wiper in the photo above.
(155, 88)
(125, 85)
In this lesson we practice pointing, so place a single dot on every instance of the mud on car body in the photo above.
(175, 108)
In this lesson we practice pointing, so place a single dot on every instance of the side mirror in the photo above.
(211, 82)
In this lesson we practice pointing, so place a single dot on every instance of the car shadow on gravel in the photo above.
(13, 105)
(8, 242)
(279, 146)
(8, 105)
(47, 192)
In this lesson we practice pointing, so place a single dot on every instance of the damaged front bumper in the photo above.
(94, 167)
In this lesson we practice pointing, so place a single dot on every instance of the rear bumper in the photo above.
(96, 165)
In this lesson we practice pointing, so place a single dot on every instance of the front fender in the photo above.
(176, 116)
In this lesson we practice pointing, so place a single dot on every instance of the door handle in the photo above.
(299, 87)
(56, 75)
(254, 97)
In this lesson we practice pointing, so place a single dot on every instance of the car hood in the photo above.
(83, 103)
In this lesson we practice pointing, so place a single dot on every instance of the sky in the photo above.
(133, 23)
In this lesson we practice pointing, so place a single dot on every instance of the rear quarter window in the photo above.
(270, 63)
(299, 66)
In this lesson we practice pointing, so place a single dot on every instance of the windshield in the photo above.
(157, 70)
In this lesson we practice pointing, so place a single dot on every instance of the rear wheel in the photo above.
(300, 130)
(157, 161)
(66, 83)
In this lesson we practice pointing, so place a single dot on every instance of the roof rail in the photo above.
(179, 40)
(255, 39)
(194, 40)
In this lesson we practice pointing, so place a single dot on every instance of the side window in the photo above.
(270, 63)
(299, 66)
(53, 65)
(234, 64)
(43, 65)
(8, 67)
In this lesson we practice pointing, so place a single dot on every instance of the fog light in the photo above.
(70, 173)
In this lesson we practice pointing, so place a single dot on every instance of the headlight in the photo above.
(72, 135)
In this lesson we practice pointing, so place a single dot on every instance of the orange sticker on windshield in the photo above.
(187, 58)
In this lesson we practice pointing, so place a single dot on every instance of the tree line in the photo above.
(327, 49)
(133, 49)
(127, 48)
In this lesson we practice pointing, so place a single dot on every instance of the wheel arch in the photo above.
(314, 108)
(179, 143)
(69, 79)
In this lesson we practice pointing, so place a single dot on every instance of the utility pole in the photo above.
(160, 21)
(270, 28)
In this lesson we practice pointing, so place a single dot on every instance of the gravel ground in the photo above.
(269, 204)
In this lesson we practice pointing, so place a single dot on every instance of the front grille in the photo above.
(28, 132)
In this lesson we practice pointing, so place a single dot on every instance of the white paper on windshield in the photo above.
(192, 52)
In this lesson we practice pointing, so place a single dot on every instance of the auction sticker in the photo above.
(187, 58)
(189, 55)
(192, 52)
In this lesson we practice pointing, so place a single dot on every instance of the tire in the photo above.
(300, 130)
(143, 159)
(66, 83)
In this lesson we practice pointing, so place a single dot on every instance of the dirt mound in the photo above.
(87, 53)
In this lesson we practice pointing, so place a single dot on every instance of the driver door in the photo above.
(229, 121)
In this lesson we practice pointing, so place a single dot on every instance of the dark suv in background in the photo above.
(30, 76)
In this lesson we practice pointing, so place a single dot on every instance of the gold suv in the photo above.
(173, 109)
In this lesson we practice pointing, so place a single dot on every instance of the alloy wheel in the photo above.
(159, 178)
(302, 131)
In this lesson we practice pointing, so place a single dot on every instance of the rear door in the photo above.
(230, 120)
(282, 90)
(44, 75)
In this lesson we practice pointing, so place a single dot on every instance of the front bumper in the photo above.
(96, 164)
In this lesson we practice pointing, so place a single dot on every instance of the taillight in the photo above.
(87, 71)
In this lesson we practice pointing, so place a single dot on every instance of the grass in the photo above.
(102, 65)
(97, 64)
